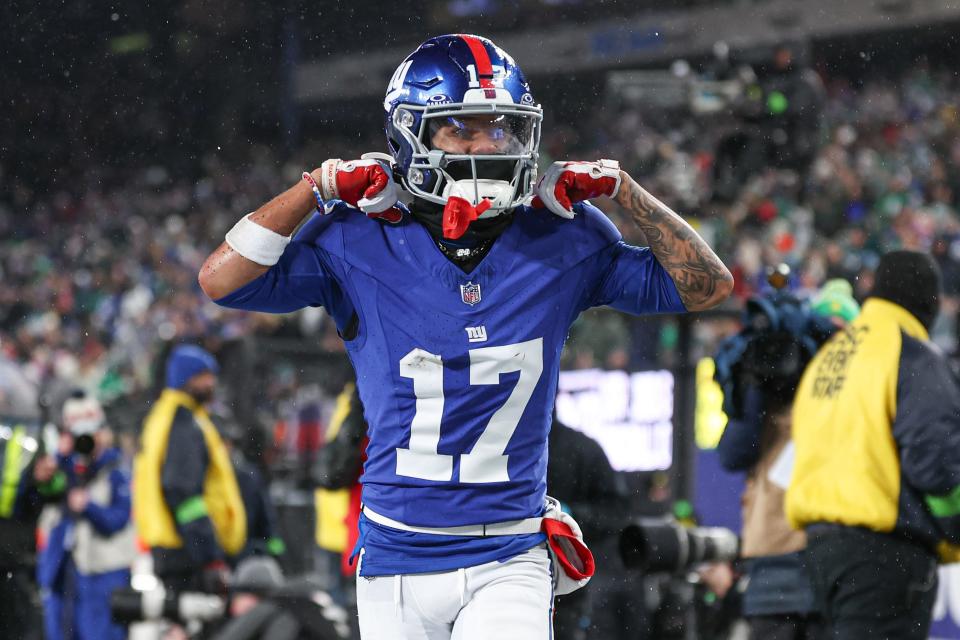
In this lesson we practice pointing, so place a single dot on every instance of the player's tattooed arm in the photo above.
(701, 278)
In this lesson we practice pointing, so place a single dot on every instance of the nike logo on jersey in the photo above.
(477, 334)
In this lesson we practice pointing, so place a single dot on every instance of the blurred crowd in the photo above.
(121, 280)
(95, 278)
(884, 175)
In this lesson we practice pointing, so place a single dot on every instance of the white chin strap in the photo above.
(499, 192)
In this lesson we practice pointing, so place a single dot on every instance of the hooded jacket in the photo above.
(876, 424)
(186, 499)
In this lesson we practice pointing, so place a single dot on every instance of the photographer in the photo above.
(263, 605)
(780, 338)
(253, 577)
(86, 540)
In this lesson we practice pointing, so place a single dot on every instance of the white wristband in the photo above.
(256, 243)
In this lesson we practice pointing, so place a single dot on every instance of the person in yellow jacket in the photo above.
(187, 505)
(876, 479)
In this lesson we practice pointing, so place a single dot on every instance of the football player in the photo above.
(454, 295)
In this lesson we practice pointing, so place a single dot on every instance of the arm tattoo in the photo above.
(700, 277)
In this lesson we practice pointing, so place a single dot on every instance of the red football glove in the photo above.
(366, 184)
(567, 182)
(573, 563)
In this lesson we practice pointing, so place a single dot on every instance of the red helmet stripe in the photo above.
(482, 58)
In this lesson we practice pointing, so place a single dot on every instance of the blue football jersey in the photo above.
(457, 371)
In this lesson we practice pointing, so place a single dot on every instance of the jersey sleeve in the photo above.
(303, 277)
(631, 280)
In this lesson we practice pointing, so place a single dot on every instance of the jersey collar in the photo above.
(428, 254)
(184, 398)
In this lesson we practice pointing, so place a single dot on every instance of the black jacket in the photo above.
(580, 476)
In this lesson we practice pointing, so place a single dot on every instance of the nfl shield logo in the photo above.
(470, 293)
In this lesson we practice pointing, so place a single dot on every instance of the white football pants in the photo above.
(510, 600)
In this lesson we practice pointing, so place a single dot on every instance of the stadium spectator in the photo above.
(876, 424)
(581, 478)
(337, 474)
(263, 537)
(86, 539)
(23, 465)
(187, 504)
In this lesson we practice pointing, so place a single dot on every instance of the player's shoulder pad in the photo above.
(330, 231)
(564, 242)
(596, 222)
(319, 223)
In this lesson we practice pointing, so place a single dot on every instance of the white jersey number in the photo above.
(486, 462)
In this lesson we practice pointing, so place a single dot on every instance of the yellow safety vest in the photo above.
(847, 467)
(14, 461)
(221, 494)
(332, 504)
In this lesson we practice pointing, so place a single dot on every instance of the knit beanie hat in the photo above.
(910, 279)
(257, 573)
(835, 299)
(186, 361)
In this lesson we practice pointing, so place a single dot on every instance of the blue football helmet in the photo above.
(453, 85)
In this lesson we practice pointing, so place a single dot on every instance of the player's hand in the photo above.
(77, 500)
(719, 577)
(366, 184)
(44, 469)
(565, 183)
(554, 510)
(215, 577)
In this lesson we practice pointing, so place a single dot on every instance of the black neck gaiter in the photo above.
(430, 215)
(467, 251)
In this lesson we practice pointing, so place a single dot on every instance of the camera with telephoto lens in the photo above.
(133, 605)
(294, 609)
(654, 545)
(780, 336)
